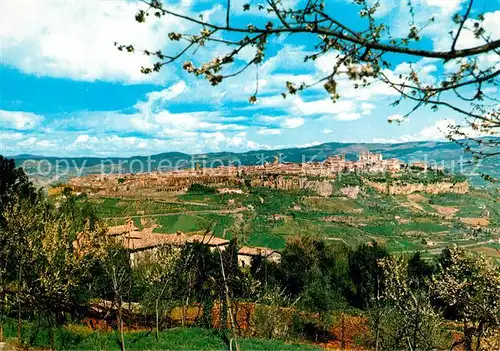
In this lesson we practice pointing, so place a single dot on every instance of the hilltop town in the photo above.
(292, 175)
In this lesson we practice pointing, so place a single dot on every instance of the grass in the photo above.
(470, 205)
(427, 227)
(138, 223)
(191, 223)
(184, 223)
(403, 245)
(112, 207)
(202, 198)
(78, 337)
(381, 229)
(220, 224)
(334, 205)
(266, 239)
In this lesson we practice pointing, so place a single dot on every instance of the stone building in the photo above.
(367, 156)
(247, 253)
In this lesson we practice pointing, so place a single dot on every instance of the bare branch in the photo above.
(277, 12)
(462, 22)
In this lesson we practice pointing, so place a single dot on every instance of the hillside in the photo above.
(261, 216)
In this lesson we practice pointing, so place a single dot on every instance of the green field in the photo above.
(192, 222)
(267, 217)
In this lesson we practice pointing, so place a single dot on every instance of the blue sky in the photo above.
(67, 91)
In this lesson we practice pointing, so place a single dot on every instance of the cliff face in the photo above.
(322, 187)
(405, 189)
(350, 192)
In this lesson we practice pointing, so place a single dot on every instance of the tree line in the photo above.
(59, 266)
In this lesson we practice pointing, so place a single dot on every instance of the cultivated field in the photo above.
(266, 217)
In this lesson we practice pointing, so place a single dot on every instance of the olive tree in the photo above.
(469, 284)
(411, 320)
(159, 273)
(22, 228)
(115, 262)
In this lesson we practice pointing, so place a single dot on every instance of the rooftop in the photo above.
(256, 251)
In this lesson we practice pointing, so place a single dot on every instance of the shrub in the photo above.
(273, 322)
(348, 179)
(197, 188)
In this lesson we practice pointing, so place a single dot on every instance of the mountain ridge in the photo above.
(369, 146)
(442, 153)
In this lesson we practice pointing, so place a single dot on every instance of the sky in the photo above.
(67, 91)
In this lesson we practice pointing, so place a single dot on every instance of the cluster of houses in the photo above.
(144, 243)
(367, 162)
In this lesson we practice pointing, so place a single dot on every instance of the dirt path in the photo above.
(335, 239)
(182, 203)
(236, 210)
(439, 249)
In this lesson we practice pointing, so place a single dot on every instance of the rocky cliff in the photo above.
(321, 187)
(405, 189)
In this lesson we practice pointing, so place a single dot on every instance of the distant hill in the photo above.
(447, 154)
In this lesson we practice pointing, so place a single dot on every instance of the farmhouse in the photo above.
(209, 240)
(142, 244)
(247, 253)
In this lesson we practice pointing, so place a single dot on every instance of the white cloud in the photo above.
(324, 106)
(367, 108)
(46, 144)
(156, 99)
(75, 39)
(490, 25)
(82, 138)
(327, 131)
(219, 141)
(268, 119)
(293, 122)
(325, 63)
(467, 39)
(153, 118)
(348, 116)
(314, 143)
(446, 6)
(266, 131)
(20, 120)
(434, 132)
(11, 136)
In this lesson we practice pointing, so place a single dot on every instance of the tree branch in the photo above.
(445, 55)
(462, 25)
(277, 12)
